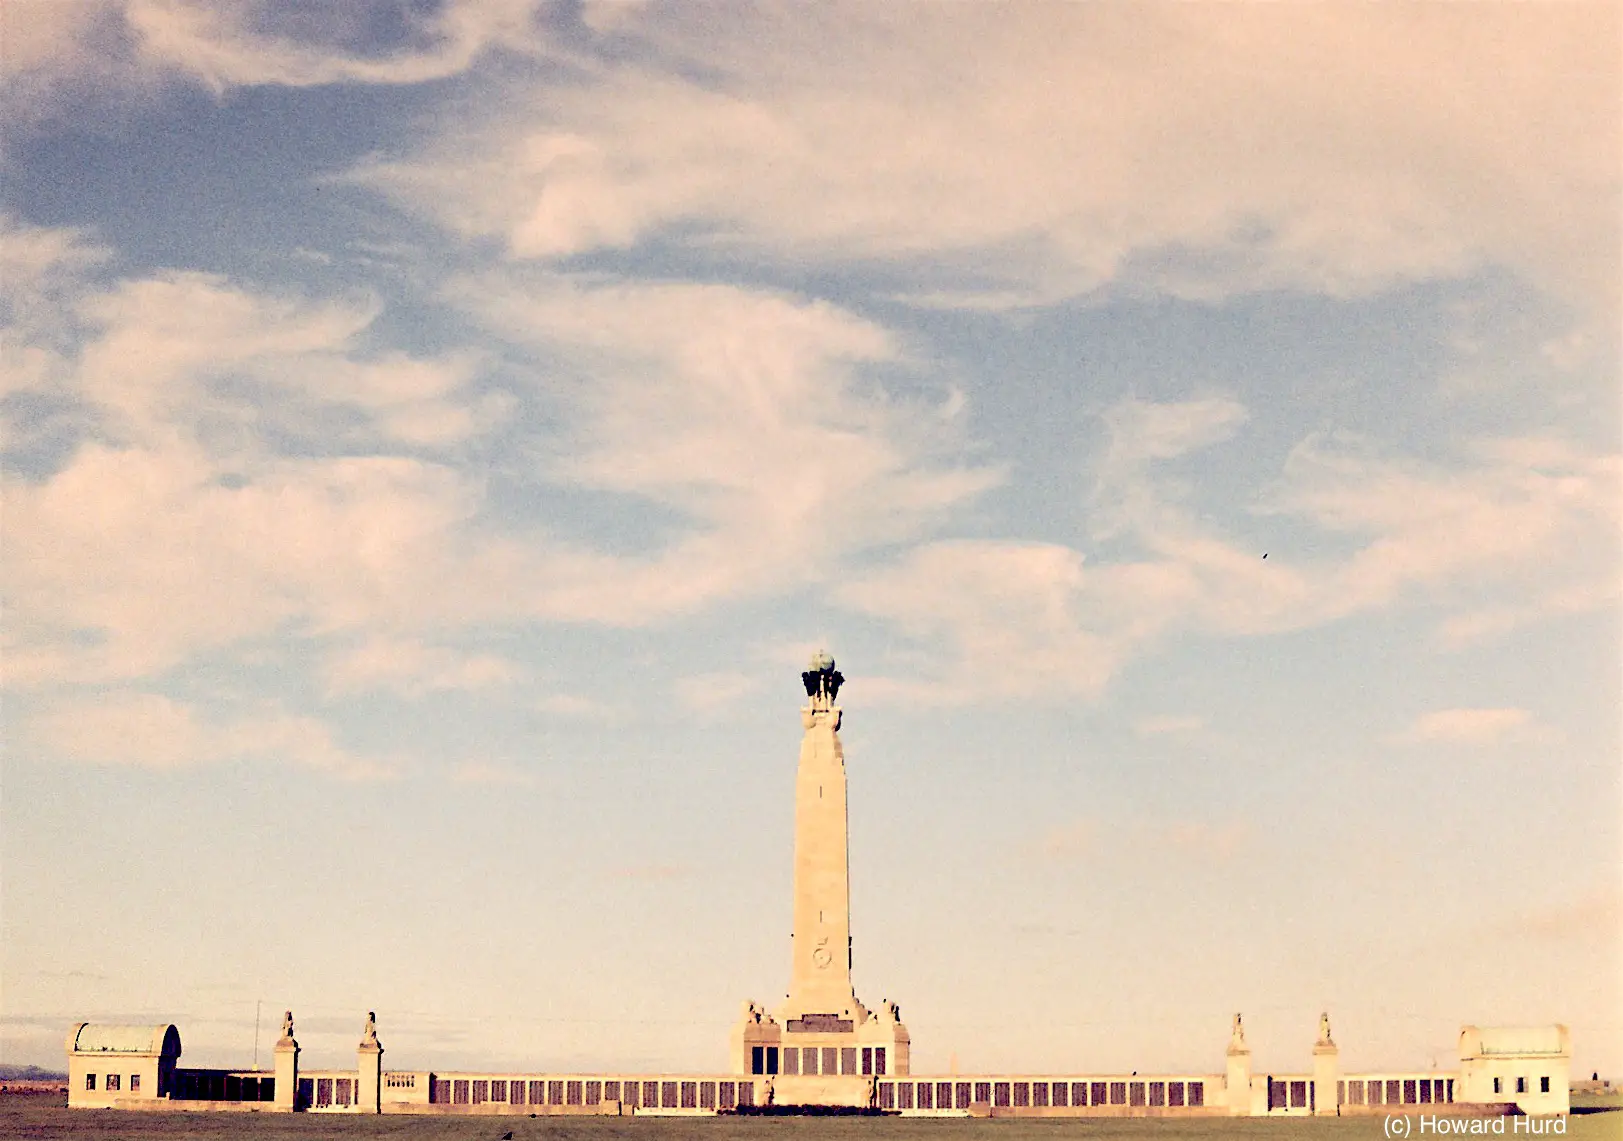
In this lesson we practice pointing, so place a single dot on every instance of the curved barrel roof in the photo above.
(90, 1038)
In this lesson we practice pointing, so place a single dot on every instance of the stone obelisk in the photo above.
(820, 971)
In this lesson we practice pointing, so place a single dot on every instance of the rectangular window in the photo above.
(746, 1093)
(1425, 1090)
(690, 1095)
(341, 1091)
(867, 1059)
(1174, 1094)
(831, 1060)
(1118, 1093)
(611, 1091)
(267, 1089)
(1135, 1093)
(926, 1095)
(538, 1092)
(943, 1095)
(667, 1095)
(1498, 1085)
(960, 1093)
(904, 1095)
(1158, 1093)
(1394, 1091)
(1341, 1093)
(771, 1059)
(1000, 1093)
(498, 1090)
(135, 1084)
(1298, 1095)
(707, 1095)
(728, 1095)
(1355, 1093)
(1375, 1088)
(459, 1092)
(1450, 1089)
(573, 1093)
(1022, 1094)
(1062, 1092)
(887, 1095)
(983, 1092)
(809, 1059)
(481, 1091)
(1408, 1091)
(1197, 1093)
(1543, 1083)
(879, 1060)
(791, 1059)
(90, 1081)
(112, 1082)
(1039, 1093)
(594, 1093)
(555, 1091)
(439, 1091)
(1521, 1085)
(758, 1060)
(1079, 1093)
(848, 1060)
(650, 1094)
(324, 1091)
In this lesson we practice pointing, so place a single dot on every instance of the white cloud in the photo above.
(712, 693)
(409, 667)
(1045, 150)
(148, 730)
(1472, 727)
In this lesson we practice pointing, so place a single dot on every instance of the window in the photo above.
(1096, 1091)
(1061, 1093)
(707, 1095)
(611, 1091)
(1394, 1090)
(498, 1090)
(690, 1095)
(758, 1060)
(650, 1094)
(879, 1060)
(538, 1092)
(481, 1092)
(439, 1090)
(1197, 1093)
(943, 1095)
(867, 1059)
(771, 1059)
(904, 1095)
(1543, 1084)
(1408, 1091)
(1174, 1093)
(848, 1060)
(926, 1095)
(791, 1059)
(1000, 1093)
(515, 1092)
(667, 1095)
(746, 1093)
(1022, 1094)
(112, 1082)
(1425, 1091)
(1521, 1085)
(961, 1095)
(887, 1095)
(341, 1091)
(831, 1060)
(459, 1091)
(572, 1093)
(1135, 1093)
(90, 1081)
(594, 1093)
(1118, 1093)
(728, 1095)
(1039, 1093)
(1355, 1093)
(983, 1092)
(1158, 1093)
(324, 1092)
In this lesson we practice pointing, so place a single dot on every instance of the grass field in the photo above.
(44, 1117)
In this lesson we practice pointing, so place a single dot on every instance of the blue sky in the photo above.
(437, 433)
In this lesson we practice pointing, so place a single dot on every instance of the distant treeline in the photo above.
(30, 1074)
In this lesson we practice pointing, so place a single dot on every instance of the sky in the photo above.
(436, 434)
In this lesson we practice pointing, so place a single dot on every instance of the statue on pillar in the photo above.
(287, 1025)
(1324, 1030)
(822, 680)
(1237, 1037)
(369, 1036)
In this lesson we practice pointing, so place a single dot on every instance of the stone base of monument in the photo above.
(822, 1089)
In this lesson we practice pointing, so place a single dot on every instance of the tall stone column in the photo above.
(287, 1067)
(1237, 1085)
(1326, 1072)
(369, 1062)
(820, 969)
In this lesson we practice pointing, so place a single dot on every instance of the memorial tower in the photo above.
(825, 1045)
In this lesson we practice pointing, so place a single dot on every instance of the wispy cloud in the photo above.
(411, 668)
(151, 731)
(1473, 727)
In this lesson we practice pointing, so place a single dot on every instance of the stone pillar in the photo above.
(1237, 1086)
(369, 1061)
(287, 1067)
(1326, 1072)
